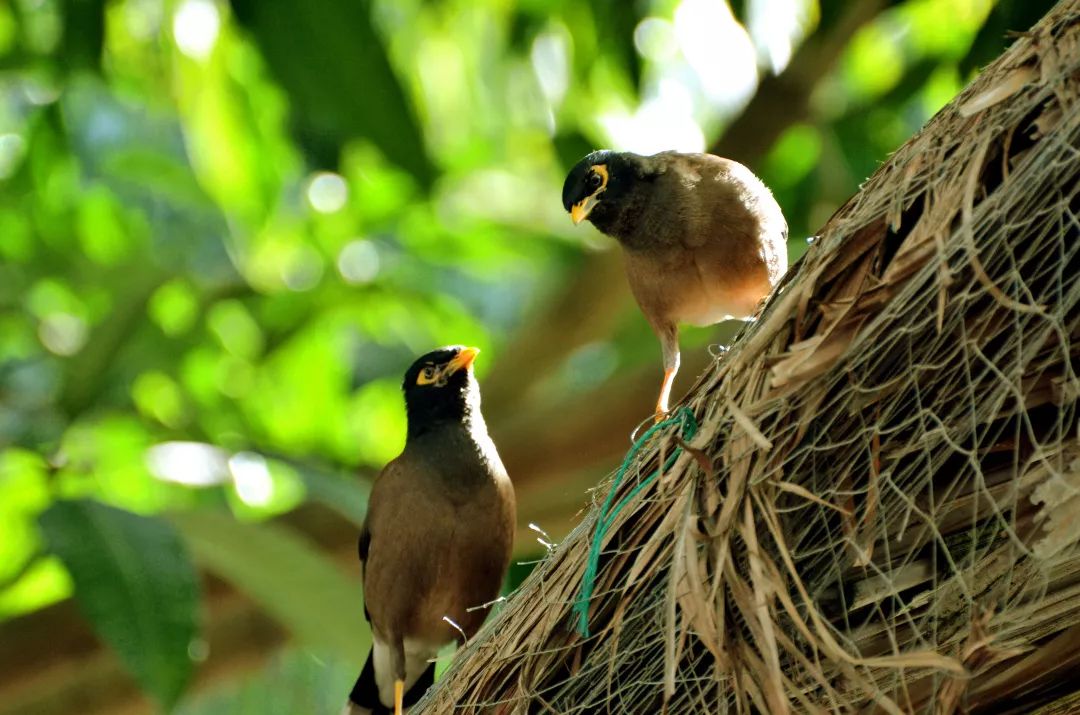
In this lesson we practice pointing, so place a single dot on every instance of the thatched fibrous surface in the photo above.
(880, 509)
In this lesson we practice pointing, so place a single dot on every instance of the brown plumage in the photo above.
(438, 534)
(703, 238)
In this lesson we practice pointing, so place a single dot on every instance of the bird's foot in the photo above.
(665, 394)
(399, 696)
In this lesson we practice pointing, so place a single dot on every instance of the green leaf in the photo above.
(328, 57)
(286, 575)
(136, 585)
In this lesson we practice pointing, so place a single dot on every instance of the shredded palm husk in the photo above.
(880, 510)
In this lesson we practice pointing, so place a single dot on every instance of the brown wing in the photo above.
(431, 555)
(719, 243)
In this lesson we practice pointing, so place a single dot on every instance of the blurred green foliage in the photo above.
(226, 228)
(135, 583)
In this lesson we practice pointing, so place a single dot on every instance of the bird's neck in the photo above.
(466, 422)
(634, 222)
(456, 448)
(450, 426)
(424, 417)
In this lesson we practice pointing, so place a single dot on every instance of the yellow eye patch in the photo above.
(428, 375)
(597, 181)
(601, 170)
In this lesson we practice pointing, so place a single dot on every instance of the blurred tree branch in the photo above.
(783, 100)
(86, 377)
(583, 309)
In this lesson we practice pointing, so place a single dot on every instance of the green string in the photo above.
(685, 418)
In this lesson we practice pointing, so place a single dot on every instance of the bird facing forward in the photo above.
(436, 540)
(703, 238)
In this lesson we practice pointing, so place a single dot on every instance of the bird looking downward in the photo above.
(703, 238)
(436, 540)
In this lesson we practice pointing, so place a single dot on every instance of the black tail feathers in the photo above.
(365, 692)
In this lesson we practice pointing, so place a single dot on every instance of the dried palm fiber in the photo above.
(880, 509)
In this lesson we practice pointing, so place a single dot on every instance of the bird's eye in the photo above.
(429, 373)
(427, 376)
(594, 180)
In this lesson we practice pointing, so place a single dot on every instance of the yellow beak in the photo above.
(581, 210)
(463, 359)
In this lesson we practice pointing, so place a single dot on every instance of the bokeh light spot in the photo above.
(195, 28)
(327, 192)
(251, 475)
(304, 269)
(192, 463)
(655, 39)
(550, 57)
(62, 333)
(358, 262)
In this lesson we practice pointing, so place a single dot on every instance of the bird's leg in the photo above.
(390, 663)
(665, 394)
(669, 344)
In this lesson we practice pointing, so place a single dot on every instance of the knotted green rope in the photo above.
(685, 418)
